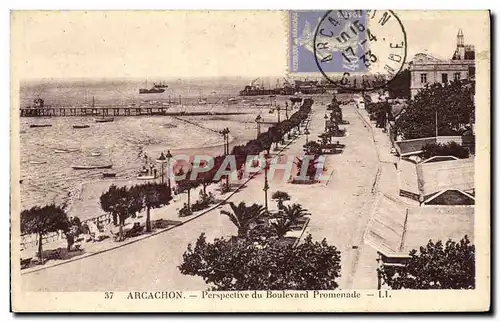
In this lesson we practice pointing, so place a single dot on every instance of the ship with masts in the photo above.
(256, 87)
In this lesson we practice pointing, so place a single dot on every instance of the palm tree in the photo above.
(294, 213)
(243, 216)
(281, 225)
(280, 197)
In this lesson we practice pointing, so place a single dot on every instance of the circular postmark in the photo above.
(360, 50)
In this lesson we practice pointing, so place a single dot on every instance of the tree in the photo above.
(436, 266)
(242, 216)
(208, 177)
(311, 168)
(287, 217)
(380, 112)
(186, 184)
(152, 195)
(122, 202)
(44, 220)
(294, 213)
(243, 264)
(280, 197)
(453, 104)
(450, 148)
(108, 201)
(281, 226)
(312, 148)
(399, 86)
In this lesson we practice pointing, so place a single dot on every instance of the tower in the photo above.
(460, 38)
(460, 51)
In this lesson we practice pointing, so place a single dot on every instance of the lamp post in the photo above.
(266, 183)
(278, 108)
(225, 133)
(168, 156)
(286, 110)
(258, 119)
(306, 132)
(162, 159)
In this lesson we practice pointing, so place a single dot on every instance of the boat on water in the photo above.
(81, 126)
(109, 174)
(40, 125)
(92, 166)
(105, 119)
(152, 90)
(37, 162)
(160, 85)
(95, 154)
(65, 150)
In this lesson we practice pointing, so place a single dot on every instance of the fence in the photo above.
(31, 240)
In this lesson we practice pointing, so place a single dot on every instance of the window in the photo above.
(444, 78)
(456, 76)
(472, 72)
(423, 78)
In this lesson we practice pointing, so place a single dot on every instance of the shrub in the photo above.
(451, 148)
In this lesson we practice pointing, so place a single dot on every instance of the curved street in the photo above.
(340, 211)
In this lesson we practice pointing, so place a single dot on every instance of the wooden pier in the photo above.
(111, 111)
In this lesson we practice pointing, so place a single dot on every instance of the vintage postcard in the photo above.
(250, 161)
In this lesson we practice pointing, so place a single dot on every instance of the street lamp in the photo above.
(266, 183)
(225, 133)
(278, 108)
(169, 156)
(162, 159)
(306, 132)
(258, 119)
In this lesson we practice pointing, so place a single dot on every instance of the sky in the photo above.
(180, 44)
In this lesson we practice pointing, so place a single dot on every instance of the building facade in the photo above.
(426, 69)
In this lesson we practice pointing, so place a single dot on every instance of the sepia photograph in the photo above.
(250, 161)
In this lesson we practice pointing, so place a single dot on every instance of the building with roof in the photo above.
(414, 147)
(426, 69)
(396, 228)
(440, 180)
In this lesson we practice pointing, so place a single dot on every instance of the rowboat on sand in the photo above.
(65, 150)
(139, 177)
(37, 162)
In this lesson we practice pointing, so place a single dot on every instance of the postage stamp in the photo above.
(167, 161)
(304, 25)
(353, 49)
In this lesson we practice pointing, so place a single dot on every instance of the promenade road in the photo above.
(340, 211)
